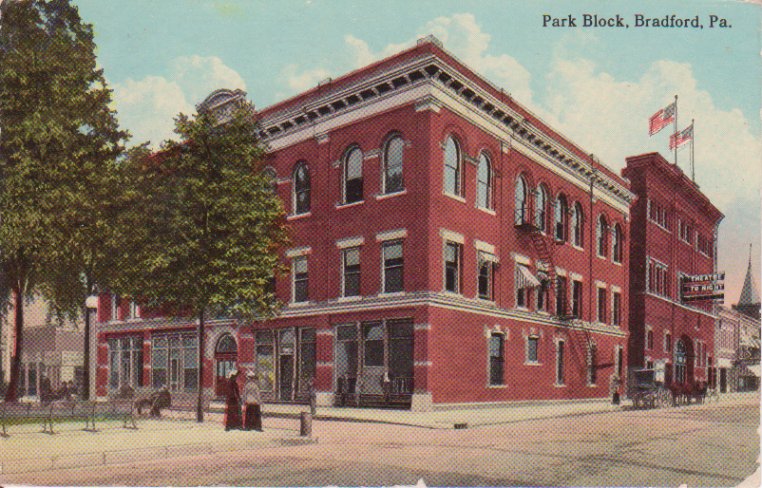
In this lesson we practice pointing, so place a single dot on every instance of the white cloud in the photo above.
(299, 80)
(147, 107)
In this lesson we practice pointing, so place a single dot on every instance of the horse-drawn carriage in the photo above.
(646, 390)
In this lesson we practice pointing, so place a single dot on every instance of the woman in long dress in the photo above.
(253, 400)
(233, 403)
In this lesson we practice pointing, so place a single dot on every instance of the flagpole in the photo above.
(675, 131)
(693, 140)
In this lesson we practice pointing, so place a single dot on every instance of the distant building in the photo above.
(673, 239)
(737, 348)
(50, 349)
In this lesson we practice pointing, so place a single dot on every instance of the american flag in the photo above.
(681, 137)
(662, 118)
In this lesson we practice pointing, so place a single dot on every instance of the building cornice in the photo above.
(437, 80)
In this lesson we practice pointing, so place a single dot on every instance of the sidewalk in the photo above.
(27, 449)
(469, 416)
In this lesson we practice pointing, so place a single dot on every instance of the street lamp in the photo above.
(91, 304)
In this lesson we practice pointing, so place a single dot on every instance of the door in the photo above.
(225, 359)
(286, 366)
(723, 380)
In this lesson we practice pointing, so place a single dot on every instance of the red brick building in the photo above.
(673, 236)
(448, 247)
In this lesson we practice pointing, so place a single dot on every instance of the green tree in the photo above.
(210, 225)
(58, 146)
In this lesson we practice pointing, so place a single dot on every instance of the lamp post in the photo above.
(91, 304)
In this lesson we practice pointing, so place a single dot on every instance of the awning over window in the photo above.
(525, 278)
(485, 256)
(754, 369)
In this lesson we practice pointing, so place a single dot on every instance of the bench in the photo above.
(67, 410)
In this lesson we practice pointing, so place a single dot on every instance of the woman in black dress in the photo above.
(233, 403)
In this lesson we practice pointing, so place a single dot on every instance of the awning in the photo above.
(489, 257)
(525, 278)
(754, 369)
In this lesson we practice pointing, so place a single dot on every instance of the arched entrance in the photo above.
(225, 358)
(683, 363)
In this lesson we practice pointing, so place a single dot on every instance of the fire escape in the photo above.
(544, 244)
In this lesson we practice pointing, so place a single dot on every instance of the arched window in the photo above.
(520, 201)
(616, 251)
(452, 167)
(301, 196)
(541, 208)
(484, 182)
(226, 344)
(560, 218)
(577, 225)
(353, 175)
(602, 236)
(393, 153)
(272, 178)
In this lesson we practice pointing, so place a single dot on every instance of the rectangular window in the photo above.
(560, 363)
(265, 359)
(561, 296)
(577, 299)
(496, 359)
(542, 296)
(126, 362)
(667, 342)
(532, 349)
(393, 267)
(174, 362)
(301, 279)
(649, 339)
(485, 277)
(116, 302)
(351, 258)
(373, 335)
(602, 305)
(616, 309)
(452, 255)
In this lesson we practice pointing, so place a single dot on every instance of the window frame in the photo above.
(296, 280)
(346, 160)
(481, 263)
(561, 218)
(385, 266)
(484, 194)
(521, 214)
(387, 167)
(496, 362)
(601, 234)
(347, 273)
(541, 208)
(456, 171)
(617, 245)
(448, 267)
(532, 349)
(306, 188)
(602, 304)
(578, 225)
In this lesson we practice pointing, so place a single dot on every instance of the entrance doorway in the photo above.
(225, 359)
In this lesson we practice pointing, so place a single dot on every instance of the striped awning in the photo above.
(525, 278)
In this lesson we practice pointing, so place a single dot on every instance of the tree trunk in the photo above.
(11, 394)
(86, 373)
(200, 400)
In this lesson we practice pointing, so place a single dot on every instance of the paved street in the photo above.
(706, 445)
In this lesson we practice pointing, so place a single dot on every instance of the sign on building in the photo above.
(702, 287)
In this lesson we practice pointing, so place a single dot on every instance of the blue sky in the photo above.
(597, 85)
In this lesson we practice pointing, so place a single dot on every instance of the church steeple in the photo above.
(749, 302)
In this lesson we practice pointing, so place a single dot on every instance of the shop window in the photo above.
(125, 362)
(373, 337)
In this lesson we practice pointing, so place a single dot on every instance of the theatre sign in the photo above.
(702, 287)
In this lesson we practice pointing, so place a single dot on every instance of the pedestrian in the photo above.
(233, 403)
(252, 403)
(614, 389)
(313, 397)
